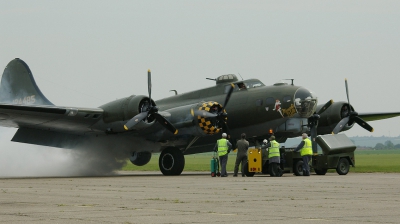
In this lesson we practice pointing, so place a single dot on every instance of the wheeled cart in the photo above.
(214, 164)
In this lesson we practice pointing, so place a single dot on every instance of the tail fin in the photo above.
(18, 86)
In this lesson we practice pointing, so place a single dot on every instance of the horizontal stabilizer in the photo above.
(47, 138)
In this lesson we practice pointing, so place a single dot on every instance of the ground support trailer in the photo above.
(334, 152)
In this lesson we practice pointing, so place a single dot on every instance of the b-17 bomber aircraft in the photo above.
(182, 124)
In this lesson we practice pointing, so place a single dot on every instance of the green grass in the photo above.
(367, 161)
(196, 162)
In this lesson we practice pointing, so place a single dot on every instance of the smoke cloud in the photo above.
(96, 157)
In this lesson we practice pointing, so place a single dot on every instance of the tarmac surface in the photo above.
(150, 197)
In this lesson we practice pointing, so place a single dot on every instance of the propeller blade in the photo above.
(136, 119)
(363, 124)
(228, 96)
(340, 125)
(328, 104)
(225, 127)
(347, 92)
(149, 83)
(165, 123)
(203, 113)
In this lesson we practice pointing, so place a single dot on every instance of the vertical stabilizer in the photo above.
(19, 87)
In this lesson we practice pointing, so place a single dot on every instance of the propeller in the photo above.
(313, 123)
(150, 110)
(220, 115)
(350, 117)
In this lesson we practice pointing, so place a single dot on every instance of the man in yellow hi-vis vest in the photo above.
(274, 157)
(223, 147)
(305, 153)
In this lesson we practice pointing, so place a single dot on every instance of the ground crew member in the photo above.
(274, 157)
(306, 153)
(223, 147)
(241, 157)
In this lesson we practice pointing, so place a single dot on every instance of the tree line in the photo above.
(387, 145)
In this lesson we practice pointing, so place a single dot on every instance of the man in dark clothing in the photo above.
(305, 153)
(223, 147)
(241, 157)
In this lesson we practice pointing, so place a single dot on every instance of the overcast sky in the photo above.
(87, 53)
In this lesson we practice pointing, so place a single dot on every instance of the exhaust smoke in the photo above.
(95, 157)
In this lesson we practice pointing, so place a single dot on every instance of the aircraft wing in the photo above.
(49, 117)
(378, 116)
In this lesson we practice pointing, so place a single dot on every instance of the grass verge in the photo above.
(367, 161)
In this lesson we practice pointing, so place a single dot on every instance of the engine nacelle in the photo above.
(118, 112)
(332, 116)
(187, 122)
(140, 158)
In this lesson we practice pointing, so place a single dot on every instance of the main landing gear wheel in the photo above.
(343, 166)
(298, 168)
(171, 162)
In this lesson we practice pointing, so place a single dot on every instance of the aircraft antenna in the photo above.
(290, 79)
(240, 76)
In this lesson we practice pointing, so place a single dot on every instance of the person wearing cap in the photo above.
(274, 156)
(223, 147)
(241, 157)
(306, 152)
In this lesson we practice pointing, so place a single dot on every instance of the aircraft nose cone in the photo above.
(305, 102)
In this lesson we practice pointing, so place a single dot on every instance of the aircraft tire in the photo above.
(343, 166)
(320, 171)
(298, 168)
(171, 162)
(246, 170)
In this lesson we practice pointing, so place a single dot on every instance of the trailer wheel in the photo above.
(343, 166)
(320, 171)
(298, 168)
(246, 170)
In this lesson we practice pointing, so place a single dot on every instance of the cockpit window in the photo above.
(287, 99)
(241, 86)
(253, 84)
